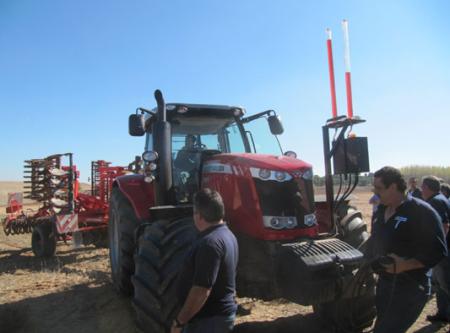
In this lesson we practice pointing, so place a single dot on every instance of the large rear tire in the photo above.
(162, 249)
(122, 224)
(43, 240)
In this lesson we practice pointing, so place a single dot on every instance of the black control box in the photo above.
(351, 156)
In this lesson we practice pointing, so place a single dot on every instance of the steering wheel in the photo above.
(200, 146)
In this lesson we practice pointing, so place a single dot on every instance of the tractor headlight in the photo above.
(290, 153)
(276, 223)
(310, 220)
(152, 166)
(290, 223)
(150, 156)
(264, 173)
(308, 174)
(280, 222)
(280, 175)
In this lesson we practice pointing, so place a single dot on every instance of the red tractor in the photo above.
(290, 246)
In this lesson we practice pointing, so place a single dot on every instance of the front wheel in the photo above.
(122, 224)
(161, 251)
(354, 229)
(43, 240)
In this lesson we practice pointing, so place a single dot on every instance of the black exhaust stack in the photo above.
(163, 146)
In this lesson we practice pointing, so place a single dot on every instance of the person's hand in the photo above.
(175, 329)
(397, 266)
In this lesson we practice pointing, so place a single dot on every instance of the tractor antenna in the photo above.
(331, 70)
(348, 82)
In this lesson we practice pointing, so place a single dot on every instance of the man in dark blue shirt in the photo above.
(413, 189)
(409, 232)
(207, 282)
(441, 273)
(445, 190)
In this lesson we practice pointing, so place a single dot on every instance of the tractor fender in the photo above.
(138, 192)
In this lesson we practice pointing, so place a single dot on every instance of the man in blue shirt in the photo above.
(441, 273)
(207, 282)
(413, 189)
(445, 190)
(409, 232)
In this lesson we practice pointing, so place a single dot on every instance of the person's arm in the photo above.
(194, 302)
(207, 263)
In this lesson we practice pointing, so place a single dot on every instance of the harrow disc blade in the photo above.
(55, 181)
(58, 172)
(60, 192)
(58, 202)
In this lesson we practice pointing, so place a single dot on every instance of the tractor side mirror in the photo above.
(276, 127)
(136, 125)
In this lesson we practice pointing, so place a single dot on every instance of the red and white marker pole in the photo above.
(348, 82)
(331, 70)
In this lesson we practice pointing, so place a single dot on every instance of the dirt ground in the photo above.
(72, 292)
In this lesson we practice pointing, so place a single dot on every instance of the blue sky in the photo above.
(72, 71)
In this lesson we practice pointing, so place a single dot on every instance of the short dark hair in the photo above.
(209, 204)
(390, 175)
(445, 189)
(432, 183)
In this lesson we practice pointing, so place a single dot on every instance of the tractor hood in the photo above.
(265, 196)
(261, 161)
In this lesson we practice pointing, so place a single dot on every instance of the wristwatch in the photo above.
(178, 324)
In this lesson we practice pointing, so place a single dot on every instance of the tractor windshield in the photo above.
(225, 135)
(260, 139)
(207, 133)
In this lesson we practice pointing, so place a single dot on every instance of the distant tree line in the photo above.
(420, 171)
(366, 179)
(363, 180)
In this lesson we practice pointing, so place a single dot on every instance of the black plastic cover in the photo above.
(351, 156)
(319, 254)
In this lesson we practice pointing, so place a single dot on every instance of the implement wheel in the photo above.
(162, 249)
(122, 224)
(43, 240)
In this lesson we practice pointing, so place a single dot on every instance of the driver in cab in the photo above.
(185, 159)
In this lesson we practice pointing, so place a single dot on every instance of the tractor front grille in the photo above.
(289, 198)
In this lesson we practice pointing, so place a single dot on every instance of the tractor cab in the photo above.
(198, 132)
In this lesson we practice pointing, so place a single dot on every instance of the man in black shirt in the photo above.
(207, 282)
(441, 273)
(413, 189)
(445, 190)
(409, 232)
